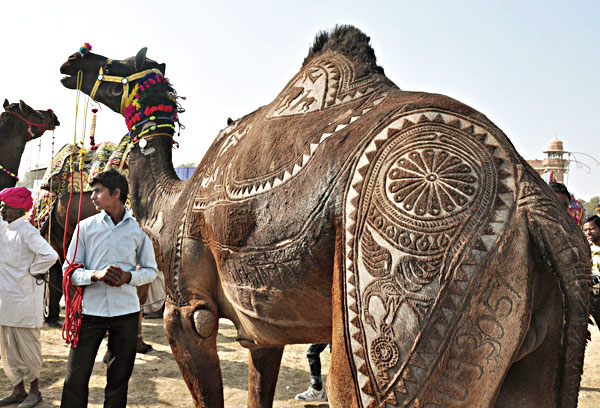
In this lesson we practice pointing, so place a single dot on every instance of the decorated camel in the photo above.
(53, 215)
(401, 226)
(19, 124)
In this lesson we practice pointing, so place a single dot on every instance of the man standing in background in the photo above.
(25, 256)
(591, 229)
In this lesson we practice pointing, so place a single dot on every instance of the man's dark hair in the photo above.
(595, 219)
(560, 188)
(112, 179)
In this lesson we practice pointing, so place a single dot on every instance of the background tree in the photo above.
(590, 206)
(191, 164)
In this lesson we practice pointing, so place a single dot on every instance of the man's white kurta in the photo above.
(23, 254)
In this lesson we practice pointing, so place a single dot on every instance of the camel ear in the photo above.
(5, 103)
(23, 107)
(140, 58)
(162, 68)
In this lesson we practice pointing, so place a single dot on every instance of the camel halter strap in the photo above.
(122, 80)
(30, 123)
(74, 294)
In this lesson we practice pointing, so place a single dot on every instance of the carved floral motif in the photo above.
(431, 181)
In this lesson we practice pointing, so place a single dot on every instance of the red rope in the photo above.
(73, 307)
(73, 294)
(30, 123)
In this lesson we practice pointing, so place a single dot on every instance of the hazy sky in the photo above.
(532, 67)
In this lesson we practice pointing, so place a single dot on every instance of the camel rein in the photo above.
(73, 294)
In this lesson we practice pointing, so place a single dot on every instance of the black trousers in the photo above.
(122, 341)
(314, 363)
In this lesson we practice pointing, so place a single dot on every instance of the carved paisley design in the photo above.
(431, 195)
(431, 181)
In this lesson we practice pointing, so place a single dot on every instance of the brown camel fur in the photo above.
(401, 226)
(15, 132)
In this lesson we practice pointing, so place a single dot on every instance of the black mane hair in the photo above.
(350, 42)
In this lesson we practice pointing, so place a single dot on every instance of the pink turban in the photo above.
(17, 197)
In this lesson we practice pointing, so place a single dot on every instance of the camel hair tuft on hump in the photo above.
(350, 42)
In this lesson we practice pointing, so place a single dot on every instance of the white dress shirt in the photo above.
(23, 253)
(101, 244)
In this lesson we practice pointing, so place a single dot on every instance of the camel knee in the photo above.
(205, 322)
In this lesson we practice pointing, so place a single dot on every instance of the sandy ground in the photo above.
(156, 380)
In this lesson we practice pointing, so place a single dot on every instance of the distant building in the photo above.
(33, 178)
(554, 161)
(184, 173)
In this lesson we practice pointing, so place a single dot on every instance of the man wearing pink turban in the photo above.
(25, 256)
(17, 197)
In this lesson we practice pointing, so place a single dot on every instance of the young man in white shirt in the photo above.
(110, 247)
(25, 256)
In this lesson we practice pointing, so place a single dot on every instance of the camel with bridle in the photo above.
(401, 226)
(19, 124)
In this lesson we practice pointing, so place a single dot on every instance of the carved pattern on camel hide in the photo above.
(423, 211)
(399, 225)
(229, 181)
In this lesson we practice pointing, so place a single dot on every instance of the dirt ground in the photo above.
(156, 380)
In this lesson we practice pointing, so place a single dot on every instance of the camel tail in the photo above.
(562, 243)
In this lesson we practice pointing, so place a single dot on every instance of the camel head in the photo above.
(107, 80)
(37, 121)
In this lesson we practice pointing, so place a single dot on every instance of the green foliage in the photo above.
(191, 164)
(590, 206)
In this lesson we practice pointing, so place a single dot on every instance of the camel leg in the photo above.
(518, 391)
(340, 381)
(142, 292)
(263, 370)
(54, 294)
(192, 334)
(539, 355)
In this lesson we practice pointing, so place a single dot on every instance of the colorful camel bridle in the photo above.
(118, 79)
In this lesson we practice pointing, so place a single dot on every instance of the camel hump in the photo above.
(429, 200)
(348, 41)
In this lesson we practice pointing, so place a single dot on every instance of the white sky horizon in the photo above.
(531, 67)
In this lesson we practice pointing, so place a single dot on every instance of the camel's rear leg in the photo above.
(340, 382)
(538, 357)
(263, 370)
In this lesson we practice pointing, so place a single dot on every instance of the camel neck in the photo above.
(13, 138)
(151, 175)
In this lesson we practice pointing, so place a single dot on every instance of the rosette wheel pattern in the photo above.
(429, 198)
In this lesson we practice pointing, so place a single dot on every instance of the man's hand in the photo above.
(112, 276)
